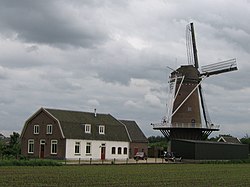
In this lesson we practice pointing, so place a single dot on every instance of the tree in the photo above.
(154, 139)
(158, 141)
(2, 147)
(246, 140)
(12, 148)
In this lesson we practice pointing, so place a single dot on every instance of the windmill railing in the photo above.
(183, 125)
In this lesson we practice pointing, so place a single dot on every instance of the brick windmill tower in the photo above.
(187, 116)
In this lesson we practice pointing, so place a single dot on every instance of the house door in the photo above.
(103, 150)
(42, 145)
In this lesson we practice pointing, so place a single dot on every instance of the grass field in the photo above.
(128, 175)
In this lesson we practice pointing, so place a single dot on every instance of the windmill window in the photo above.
(189, 109)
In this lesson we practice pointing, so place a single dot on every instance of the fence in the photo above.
(114, 161)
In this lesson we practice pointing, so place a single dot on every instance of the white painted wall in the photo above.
(95, 149)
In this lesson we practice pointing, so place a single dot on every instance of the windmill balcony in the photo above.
(183, 125)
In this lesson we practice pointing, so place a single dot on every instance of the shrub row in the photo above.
(33, 162)
(244, 161)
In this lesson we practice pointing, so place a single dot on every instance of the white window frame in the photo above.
(119, 150)
(88, 128)
(36, 129)
(101, 129)
(88, 150)
(49, 129)
(125, 152)
(54, 143)
(113, 150)
(77, 144)
(31, 143)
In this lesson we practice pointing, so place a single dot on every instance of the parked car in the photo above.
(140, 156)
(171, 156)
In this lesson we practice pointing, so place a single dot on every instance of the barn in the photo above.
(209, 150)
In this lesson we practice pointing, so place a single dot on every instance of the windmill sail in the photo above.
(191, 46)
(206, 116)
(220, 67)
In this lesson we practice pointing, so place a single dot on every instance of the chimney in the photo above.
(95, 112)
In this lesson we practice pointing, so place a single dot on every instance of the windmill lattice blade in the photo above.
(220, 67)
(190, 54)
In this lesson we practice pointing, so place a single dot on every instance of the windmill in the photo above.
(187, 115)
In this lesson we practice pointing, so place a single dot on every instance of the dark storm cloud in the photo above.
(49, 22)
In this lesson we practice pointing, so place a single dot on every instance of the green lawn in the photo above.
(128, 175)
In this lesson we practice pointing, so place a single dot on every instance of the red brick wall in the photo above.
(43, 119)
(141, 147)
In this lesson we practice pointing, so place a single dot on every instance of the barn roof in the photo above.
(134, 131)
(229, 139)
(73, 125)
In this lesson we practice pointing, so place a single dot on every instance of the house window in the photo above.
(36, 129)
(113, 150)
(125, 150)
(87, 128)
(31, 146)
(49, 129)
(77, 148)
(119, 150)
(88, 148)
(53, 146)
(101, 129)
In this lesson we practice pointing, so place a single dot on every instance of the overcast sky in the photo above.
(112, 55)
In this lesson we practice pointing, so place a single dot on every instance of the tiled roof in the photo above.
(72, 123)
(134, 131)
(229, 139)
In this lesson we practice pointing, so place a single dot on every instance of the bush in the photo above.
(33, 162)
(243, 161)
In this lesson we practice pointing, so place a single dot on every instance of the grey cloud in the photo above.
(32, 48)
(84, 54)
(45, 22)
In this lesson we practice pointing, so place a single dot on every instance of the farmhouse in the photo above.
(64, 134)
